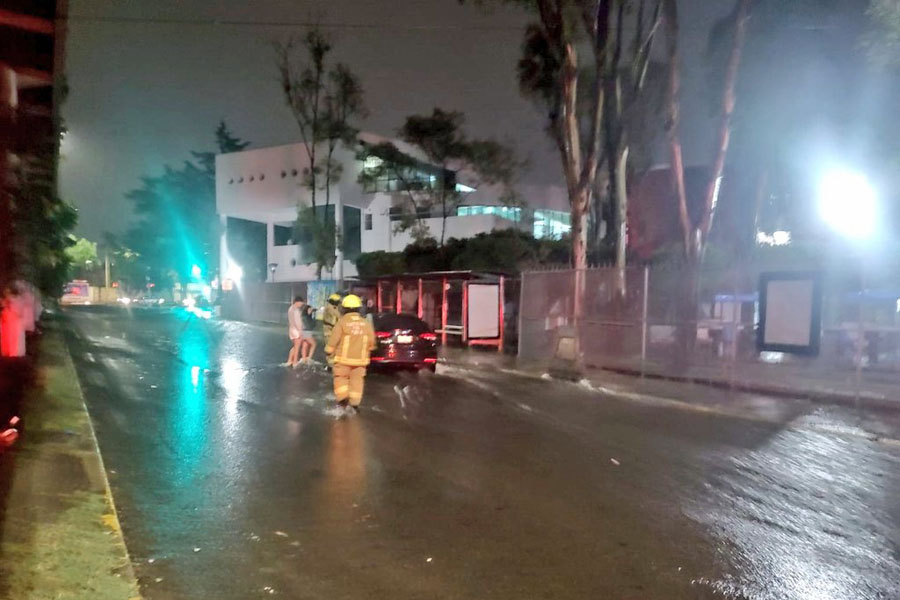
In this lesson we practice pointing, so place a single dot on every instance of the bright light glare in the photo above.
(848, 203)
(777, 238)
(235, 272)
(781, 238)
(195, 271)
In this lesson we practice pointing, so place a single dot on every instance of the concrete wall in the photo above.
(267, 302)
(266, 186)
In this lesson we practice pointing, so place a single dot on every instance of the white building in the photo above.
(266, 185)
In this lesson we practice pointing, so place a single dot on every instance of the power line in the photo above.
(291, 24)
(347, 25)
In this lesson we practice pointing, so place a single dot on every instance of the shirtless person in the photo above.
(295, 330)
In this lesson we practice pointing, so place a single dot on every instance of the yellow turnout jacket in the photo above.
(351, 341)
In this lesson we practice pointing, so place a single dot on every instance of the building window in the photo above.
(417, 176)
(352, 236)
(504, 212)
(551, 223)
(284, 235)
(368, 221)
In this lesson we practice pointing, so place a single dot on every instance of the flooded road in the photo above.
(234, 480)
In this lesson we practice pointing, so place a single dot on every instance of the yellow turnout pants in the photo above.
(348, 383)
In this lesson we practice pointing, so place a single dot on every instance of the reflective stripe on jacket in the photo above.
(351, 341)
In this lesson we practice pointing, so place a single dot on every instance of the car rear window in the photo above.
(390, 322)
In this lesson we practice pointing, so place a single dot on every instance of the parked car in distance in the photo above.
(76, 292)
(404, 341)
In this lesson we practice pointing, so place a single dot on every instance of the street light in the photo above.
(195, 271)
(848, 203)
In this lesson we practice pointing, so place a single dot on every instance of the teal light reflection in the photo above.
(190, 413)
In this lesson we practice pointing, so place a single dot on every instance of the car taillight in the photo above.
(383, 334)
(428, 336)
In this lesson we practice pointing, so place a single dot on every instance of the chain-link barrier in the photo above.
(636, 320)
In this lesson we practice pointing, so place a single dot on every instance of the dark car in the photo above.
(404, 341)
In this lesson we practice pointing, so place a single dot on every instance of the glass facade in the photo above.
(419, 177)
(551, 224)
(504, 212)
(546, 223)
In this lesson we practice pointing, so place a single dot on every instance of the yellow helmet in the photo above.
(351, 301)
(334, 298)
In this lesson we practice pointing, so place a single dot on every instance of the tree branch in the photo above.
(728, 102)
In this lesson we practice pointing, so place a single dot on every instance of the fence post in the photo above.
(644, 318)
(521, 306)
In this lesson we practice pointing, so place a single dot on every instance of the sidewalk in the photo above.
(59, 533)
(768, 380)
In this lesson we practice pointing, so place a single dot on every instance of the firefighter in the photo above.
(331, 314)
(350, 344)
(330, 317)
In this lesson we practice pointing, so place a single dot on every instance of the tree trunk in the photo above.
(724, 133)
(621, 196)
(686, 313)
(670, 15)
(597, 233)
(443, 214)
(579, 230)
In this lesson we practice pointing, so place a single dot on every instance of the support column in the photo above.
(223, 248)
(444, 311)
(465, 312)
(339, 242)
(420, 307)
(378, 296)
(502, 314)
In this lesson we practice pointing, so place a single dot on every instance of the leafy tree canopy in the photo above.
(177, 226)
(506, 251)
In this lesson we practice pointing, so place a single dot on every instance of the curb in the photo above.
(114, 523)
(666, 402)
(65, 538)
(865, 400)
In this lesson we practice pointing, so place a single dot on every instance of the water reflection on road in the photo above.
(234, 479)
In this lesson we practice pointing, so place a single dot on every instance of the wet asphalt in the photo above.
(234, 479)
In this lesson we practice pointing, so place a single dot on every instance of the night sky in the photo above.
(149, 81)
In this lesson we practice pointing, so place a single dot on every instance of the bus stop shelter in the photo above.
(468, 305)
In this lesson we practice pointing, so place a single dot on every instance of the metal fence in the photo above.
(643, 329)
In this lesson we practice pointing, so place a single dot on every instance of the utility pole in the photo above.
(106, 269)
